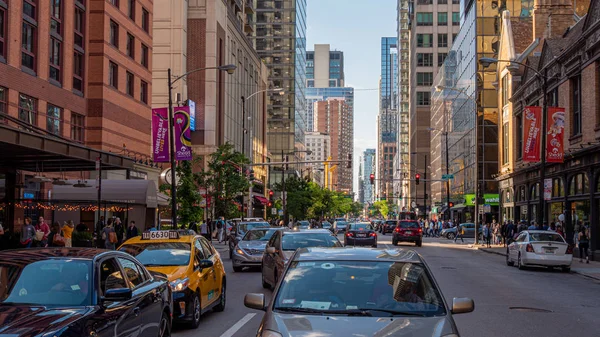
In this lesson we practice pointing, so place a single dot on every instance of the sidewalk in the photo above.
(591, 270)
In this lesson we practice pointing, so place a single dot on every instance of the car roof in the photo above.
(358, 254)
(536, 231)
(31, 255)
(182, 238)
(304, 231)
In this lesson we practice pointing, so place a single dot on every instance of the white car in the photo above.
(540, 249)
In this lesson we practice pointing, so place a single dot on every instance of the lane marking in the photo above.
(237, 326)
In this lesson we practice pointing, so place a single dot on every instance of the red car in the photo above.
(408, 231)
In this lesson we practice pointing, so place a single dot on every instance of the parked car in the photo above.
(326, 225)
(388, 226)
(408, 231)
(249, 250)
(541, 249)
(360, 234)
(282, 245)
(303, 224)
(450, 233)
(357, 292)
(81, 292)
(339, 226)
(239, 230)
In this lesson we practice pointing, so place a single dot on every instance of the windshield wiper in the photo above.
(393, 312)
(306, 310)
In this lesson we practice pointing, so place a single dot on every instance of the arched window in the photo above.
(535, 191)
(579, 184)
(558, 188)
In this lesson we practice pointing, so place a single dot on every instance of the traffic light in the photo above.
(271, 202)
(349, 164)
(417, 177)
(450, 204)
(372, 178)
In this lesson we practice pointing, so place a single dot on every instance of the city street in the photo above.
(508, 302)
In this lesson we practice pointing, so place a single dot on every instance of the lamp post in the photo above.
(486, 62)
(230, 68)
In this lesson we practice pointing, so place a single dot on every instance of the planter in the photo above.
(82, 243)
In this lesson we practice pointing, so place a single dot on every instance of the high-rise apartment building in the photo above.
(319, 145)
(279, 37)
(324, 67)
(402, 160)
(332, 117)
(320, 94)
(433, 25)
(368, 168)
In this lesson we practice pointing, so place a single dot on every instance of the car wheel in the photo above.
(223, 299)
(418, 243)
(519, 263)
(264, 282)
(197, 311)
(237, 269)
(450, 236)
(165, 326)
(375, 245)
(566, 269)
(394, 242)
(508, 261)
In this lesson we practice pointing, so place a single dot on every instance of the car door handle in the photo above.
(136, 311)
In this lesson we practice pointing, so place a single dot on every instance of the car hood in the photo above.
(173, 272)
(332, 326)
(26, 321)
(253, 244)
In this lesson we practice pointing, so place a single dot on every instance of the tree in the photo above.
(382, 207)
(188, 197)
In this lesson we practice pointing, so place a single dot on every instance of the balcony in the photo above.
(249, 6)
(237, 5)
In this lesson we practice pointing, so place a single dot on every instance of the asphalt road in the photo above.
(508, 301)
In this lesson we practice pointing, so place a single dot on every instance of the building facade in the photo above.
(402, 169)
(319, 145)
(324, 67)
(368, 168)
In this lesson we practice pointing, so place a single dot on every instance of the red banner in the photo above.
(531, 133)
(555, 133)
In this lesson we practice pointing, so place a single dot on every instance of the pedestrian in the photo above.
(98, 232)
(119, 230)
(460, 232)
(220, 225)
(67, 231)
(584, 241)
(204, 230)
(55, 238)
(27, 233)
(532, 226)
(132, 230)
(42, 226)
(487, 234)
(193, 226)
(109, 235)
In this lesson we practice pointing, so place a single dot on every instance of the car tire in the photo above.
(164, 329)
(237, 269)
(223, 298)
(394, 242)
(566, 269)
(519, 263)
(197, 312)
(264, 282)
(374, 246)
(450, 236)
(419, 243)
(508, 261)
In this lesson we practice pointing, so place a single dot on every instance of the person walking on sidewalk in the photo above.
(584, 242)
(487, 235)
(460, 231)
(220, 225)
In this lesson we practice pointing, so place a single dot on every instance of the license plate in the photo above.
(408, 233)
(548, 250)
(361, 235)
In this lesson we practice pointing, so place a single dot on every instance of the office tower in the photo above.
(368, 168)
(324, 67)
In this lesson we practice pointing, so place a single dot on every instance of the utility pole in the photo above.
(172, 150)
(283, 193)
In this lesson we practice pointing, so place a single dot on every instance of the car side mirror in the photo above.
(462, 305)
(255, 301)
(117, 295)
(271, 250)
(206, 264)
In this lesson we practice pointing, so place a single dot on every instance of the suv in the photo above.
(408, 231)
(388, 226)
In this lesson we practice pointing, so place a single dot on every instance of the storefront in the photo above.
(489, 209)
(507, 200)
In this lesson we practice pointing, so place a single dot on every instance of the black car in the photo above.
(388, 226)
(81, 292)
(360, 234)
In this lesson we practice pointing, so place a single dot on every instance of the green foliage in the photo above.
(188, 197)
(382, 207)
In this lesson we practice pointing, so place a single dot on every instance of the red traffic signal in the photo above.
(270, 193)
(270, 204)
(372, 178)
(450, 204)
(417, 177)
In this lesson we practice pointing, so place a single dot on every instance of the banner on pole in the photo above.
(160, 135)
(183, 135)
(555, 133)
(548, 189)
(531, 133)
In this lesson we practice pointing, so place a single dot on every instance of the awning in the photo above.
(140, 192)
(458, 206)
(261, 200)
(162, 199)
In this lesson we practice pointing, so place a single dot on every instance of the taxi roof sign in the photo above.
(160, 235)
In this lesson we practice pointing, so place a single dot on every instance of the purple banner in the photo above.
(160, 135)
(183, 135)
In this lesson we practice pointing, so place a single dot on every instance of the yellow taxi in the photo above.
(194, 268)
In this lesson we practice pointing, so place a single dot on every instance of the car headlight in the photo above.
(269, 333)
(240, 251)
(180, 284)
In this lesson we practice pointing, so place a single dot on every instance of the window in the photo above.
(28, 45)
(130, 82)
(132, 9)
(111, 276)
(53, 119)
(424, 2)
(130, 45)
(576, 105)
(78, 71)
(3, 103)
(425, 40)
(28, 109)
(114, 3)
(144, 92)
(579, 184)
(441, 58)
(144, 59)
(505, 144)
(208, 251)
(3, 29)
(55, 59)
(132, 272)
(425, 79)
(456, 2)
(455, 18)
(424, 59)
(442, 2)
(30, 9)
(114, 34)
(443, 40)
(424, 19)
(423, 97)
(504, 90)
(519, 122)
(113, 75)
(78, 27)
(442, 19)
(77, 127)
(145, 20)
(56, 17)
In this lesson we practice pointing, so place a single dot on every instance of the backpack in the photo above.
(112, 237)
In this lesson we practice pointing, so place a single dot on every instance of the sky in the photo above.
(356, 28)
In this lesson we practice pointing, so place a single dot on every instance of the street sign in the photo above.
(487, 208)
(447, 176)
(280, 212)
(273, 211)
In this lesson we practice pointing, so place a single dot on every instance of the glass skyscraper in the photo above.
(388, 89)
(368, 168)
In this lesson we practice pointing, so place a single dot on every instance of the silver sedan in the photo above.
(249, 250)
(540, 248)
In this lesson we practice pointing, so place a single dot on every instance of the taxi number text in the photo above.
(159, 235)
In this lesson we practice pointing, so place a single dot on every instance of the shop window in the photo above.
(558, 189)
(535, 191)
(579, 184)
(521, 194)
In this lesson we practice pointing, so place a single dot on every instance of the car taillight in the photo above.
(529, 248)
(569, 249)
(348, 234)
(373, 234)
(420, 230)
(397, 230)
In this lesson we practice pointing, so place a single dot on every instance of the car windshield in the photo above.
(377, 288)
(259, 235)
(304, 240)
(360, 227)
(408, 224)
(341, 224)
(303, 223)
(54, 282)
(244, 227)
(160, 253)
(545, 237)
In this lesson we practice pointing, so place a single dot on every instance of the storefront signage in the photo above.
(531, 131)
(160, 135)
(555, 151)
(183, 135)
(489, 199)
(548, 189)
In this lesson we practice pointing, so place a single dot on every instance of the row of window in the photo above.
(28, 113)
(426, 59)
(426, 40)
(439, 2)
(131, 11)
(426, 19)
(130, 47)
(113, 81)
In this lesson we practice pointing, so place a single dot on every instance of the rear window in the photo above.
(408, 224)
(545, 237)
(295, 241)
(360, 227)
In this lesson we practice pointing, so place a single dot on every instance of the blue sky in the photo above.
(356, 28)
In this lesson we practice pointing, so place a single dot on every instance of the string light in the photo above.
(66, 207)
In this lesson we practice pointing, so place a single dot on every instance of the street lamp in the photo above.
(230, 68)
(486, 62)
